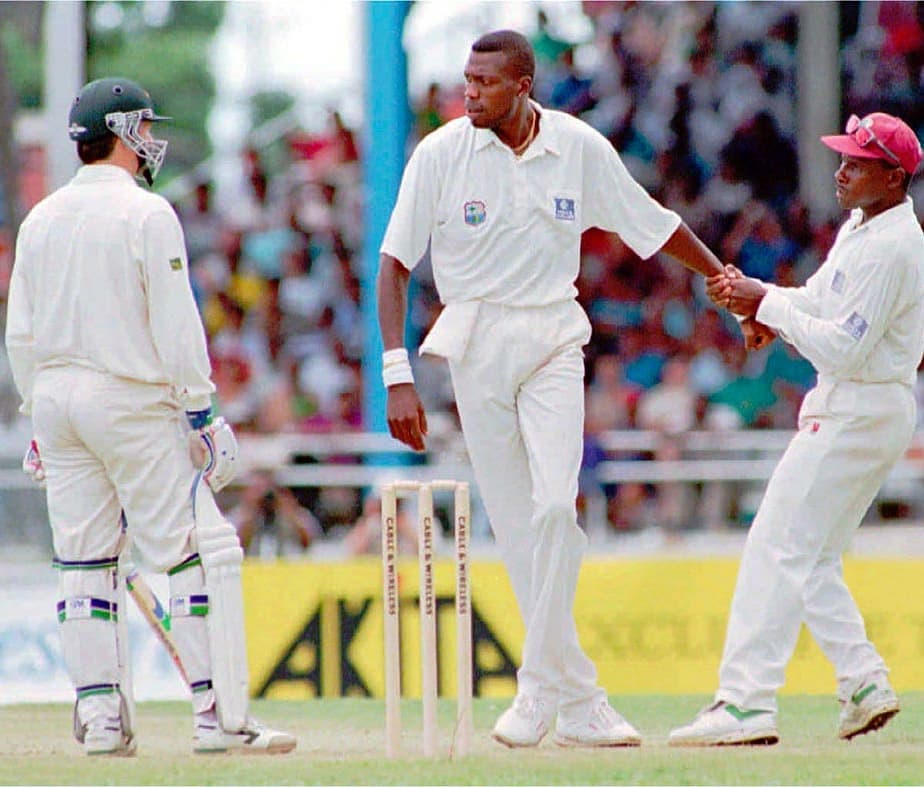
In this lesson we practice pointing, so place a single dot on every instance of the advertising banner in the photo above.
(315, 629)
(650, 626)
(31, 665)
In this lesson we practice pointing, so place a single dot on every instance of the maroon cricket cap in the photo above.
(881, 136)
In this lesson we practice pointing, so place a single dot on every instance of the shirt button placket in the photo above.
(520, 195)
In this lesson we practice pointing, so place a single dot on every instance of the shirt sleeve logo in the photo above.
(475, 213)
(856, 326)
(564, 208)
(176, 264)
(838, 282)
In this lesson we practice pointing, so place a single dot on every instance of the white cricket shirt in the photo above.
(860, 317)
(507, 230)
(101, 281)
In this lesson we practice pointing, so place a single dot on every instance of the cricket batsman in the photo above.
(109, 356)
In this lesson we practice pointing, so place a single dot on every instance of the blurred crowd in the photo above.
(700, 101)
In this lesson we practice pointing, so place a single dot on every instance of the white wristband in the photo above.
(396, 367)
(739, 317)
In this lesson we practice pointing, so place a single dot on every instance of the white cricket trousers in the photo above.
(520, 393)
(110, 444)
(850, 436)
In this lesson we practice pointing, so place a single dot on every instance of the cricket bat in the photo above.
(154, 613)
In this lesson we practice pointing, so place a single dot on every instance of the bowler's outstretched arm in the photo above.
(684, 246)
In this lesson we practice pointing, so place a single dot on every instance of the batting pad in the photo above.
(189, 610)
(222, 556)
(126, 682)
(88, 614)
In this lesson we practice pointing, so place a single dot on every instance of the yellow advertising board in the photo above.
(651, 626)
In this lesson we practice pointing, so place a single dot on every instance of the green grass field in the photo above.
(342, 742)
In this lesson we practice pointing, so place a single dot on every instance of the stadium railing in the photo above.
(364, 460)
(352, 459)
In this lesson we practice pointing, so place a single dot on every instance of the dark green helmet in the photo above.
(115, 105)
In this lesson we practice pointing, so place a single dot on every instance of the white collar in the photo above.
(96, 173)
(897, 212)
(546, 140)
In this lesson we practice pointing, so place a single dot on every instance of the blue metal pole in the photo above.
(388, 121)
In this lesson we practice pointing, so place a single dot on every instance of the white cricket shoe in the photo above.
(525, 723)
(105, 737)
(870, 708)
(723, 724)
(255, 738)
(602, 727)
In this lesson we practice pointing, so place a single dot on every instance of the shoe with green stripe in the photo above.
(724, 724)
(869, 709)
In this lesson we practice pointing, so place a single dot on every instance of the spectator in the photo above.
(201, 224)
(269, 520)
(571, 92)
(610, 404)
(547, 47)
(756, 243)
(699, 98)
(670, 409)
(766, 158)
(365, 537)
(429, 115)
(238, 355)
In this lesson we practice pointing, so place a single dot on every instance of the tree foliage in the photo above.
(169, 56)
(20, 85)
(162, 45)
(268, 104)
(24, 65)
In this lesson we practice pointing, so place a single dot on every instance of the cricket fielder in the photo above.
(501, 197)
(860, 321)
(109, 356)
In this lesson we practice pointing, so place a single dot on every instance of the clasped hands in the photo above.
(741, 295)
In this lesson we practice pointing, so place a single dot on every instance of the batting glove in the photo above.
(213, 448)
(32, 464)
